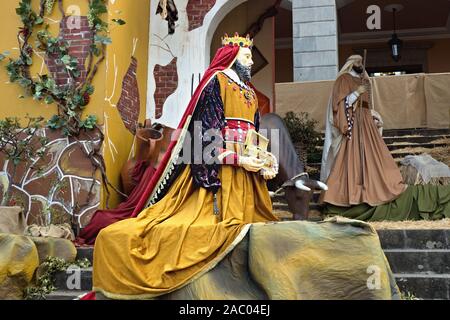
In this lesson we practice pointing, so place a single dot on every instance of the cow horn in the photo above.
(299, 185)
(322, 185)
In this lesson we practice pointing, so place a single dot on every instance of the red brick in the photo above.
(84, 22)
(166, 83)
(197, 10)
(80, 42)
(79, 48)
(69, 37)
(129, 104)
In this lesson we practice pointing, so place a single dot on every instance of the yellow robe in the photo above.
(178, 239)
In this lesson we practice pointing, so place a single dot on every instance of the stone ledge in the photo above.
(426, 287)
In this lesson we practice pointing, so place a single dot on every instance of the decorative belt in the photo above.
(236, 129)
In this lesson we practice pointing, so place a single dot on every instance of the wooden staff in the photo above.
(360, 114)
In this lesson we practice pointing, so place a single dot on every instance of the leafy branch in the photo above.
(21, 145)
(302, 130)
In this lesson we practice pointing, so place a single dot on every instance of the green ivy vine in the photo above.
(71, 99)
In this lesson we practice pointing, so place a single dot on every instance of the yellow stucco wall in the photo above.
(134, 34)
(107, 82)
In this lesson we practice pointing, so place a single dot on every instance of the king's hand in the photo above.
(270, 168)
(251, 164)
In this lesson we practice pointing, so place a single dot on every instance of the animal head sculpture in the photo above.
(292, 179)
(298, 192)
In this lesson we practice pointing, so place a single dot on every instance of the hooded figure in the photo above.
(356, 163)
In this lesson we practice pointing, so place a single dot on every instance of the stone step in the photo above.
(65, 295)
(403, 143)
(400, 154)
(409, 131)
(399, 151)
(415, 132)
(414, 139)
(283, 215)
(410, 146)
(428, 287)
(420, 260)
(278, 199)
(425, 262)
(74, 280)
(280, 206)
(314, 216)
(415, 239)
(282, 199)
(85, 253)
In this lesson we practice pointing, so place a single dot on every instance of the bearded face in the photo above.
(243, 64)
(358, 70)
(358, 67)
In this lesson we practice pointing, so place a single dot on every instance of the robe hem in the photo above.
(201, 272)
(364, 202)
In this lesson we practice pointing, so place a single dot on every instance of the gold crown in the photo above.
(237, 41)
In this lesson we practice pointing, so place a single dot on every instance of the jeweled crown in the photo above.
(237, 41)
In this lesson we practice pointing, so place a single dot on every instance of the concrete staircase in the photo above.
(415, 141)
(420, 261)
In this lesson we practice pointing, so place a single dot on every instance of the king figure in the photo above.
(194, 211)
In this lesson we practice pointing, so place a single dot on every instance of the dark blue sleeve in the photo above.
(257, 120)
(210, 112)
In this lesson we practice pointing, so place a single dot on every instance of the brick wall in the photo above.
(129, 102)
(80, 40)
(197, 10)
(166, 78)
